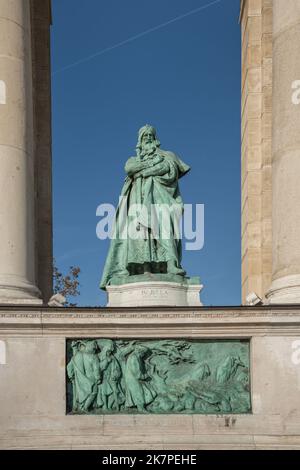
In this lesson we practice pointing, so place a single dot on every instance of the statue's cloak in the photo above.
(150, 191)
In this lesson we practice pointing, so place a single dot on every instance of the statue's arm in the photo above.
(133, 165)
(70, 370)
(104, 363)
(96, 368)
(126, 350)
(159, 169)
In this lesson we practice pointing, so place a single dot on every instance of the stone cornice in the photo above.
(151, 322)
(274, 309)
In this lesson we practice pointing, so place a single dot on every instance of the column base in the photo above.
(17, 291)
(285, 290)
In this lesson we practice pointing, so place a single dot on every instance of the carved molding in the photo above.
(242, 322)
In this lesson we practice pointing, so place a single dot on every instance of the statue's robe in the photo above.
(139, 392)
(152, 192)
(111, 382)
(84, 370)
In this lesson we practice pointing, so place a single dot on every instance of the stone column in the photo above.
(256, 28)
(17, 223)
(285, 287)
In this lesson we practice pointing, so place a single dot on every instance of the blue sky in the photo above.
(117, 65)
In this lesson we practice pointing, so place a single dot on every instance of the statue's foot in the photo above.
(173, 269)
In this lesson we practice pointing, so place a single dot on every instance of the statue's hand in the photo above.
(152, 161)
(134, 166)
(145, 164)
(157, 159)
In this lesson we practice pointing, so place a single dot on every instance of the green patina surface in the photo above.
(107, 376)
(146, 236)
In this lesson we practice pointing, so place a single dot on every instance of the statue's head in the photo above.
(147, 139)
(106, 346)
(141, 350)
(90, 346)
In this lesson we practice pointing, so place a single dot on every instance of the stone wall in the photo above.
(256, 26)
(33, 379)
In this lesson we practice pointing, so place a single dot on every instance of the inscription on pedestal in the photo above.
(106, 376)
(154, 293)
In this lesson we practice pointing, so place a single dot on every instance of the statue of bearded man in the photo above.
(146, 239)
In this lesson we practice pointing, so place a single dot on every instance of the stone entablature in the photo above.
(151, 321)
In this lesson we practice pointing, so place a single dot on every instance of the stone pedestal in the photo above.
(151, 294)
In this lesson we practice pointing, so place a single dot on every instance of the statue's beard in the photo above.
(148, 149)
